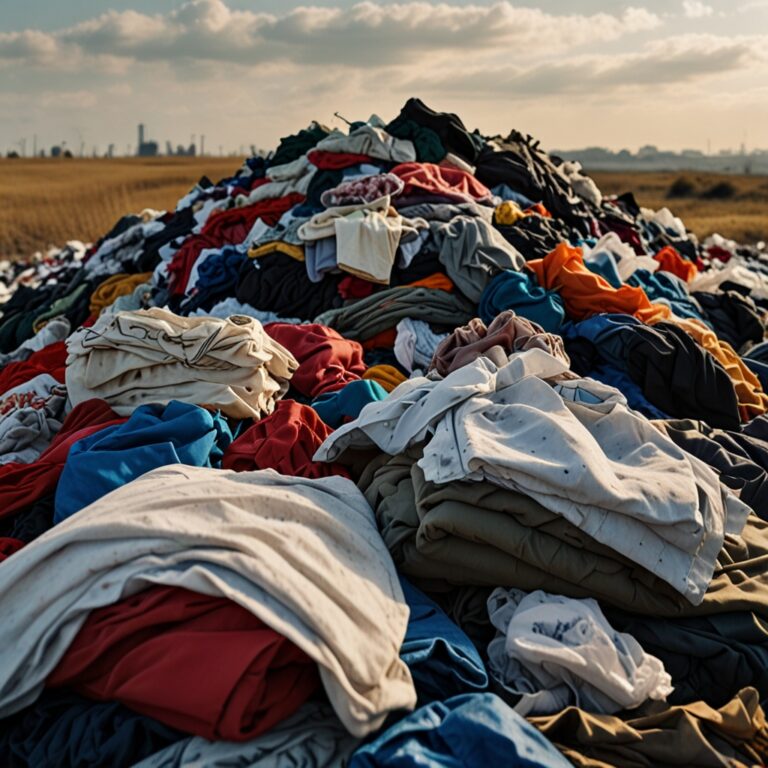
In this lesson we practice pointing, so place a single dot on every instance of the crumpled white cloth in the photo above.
(155, 356)
(599, 464)
(556, 652)
(415, 343)
(304, 556)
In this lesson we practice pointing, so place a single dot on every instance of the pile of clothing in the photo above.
(401, 446)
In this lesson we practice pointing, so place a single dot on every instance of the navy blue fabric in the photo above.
(442, 659)
(636, 400)
(476, 730)
(217, 278)
(334, 408)
(154, 436)
(505, 192)
(519, 291)
(760, 369)
(63, 729)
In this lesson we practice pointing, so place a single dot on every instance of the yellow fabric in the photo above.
(278, 246)
(508, 213)
(752, 400)
(386, 375)
(115, 286)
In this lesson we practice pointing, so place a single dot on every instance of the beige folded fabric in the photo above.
(155, 356)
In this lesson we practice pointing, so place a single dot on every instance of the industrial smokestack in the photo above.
(141, 134)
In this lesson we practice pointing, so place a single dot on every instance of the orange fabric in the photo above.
(386, 375)
(752, 400)
(540, 209)
(671, 261)
(384, 339)
(437, 280)
(585, 293)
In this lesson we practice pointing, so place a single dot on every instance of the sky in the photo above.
(687, 74)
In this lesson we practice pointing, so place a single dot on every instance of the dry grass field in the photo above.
(47, 202)
(742, 214)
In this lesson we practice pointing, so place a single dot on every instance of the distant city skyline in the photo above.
(680, 74)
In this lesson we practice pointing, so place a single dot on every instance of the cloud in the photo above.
(695, 9)
(363, 35)
(663, 63)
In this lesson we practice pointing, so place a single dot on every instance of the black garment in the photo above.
(425, 263)
(448, 126)
(737, 471)
(680, 377)
(177, 225)
(734, 317)
(710, 658)
(429, 148)
(63, 729)
(729, 285)
(29, 523)
(279, 283)
(293, 147)
(534, 236)
(320, 182)
(673, 372)
(519, 162)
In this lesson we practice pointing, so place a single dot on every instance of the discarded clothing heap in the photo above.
(402, 445)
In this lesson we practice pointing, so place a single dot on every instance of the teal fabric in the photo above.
(154, 436)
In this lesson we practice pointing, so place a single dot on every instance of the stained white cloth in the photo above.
(302, 555)
(311, 738)
(155, 356)
(555, 652)
(598, 464)
(415, 344)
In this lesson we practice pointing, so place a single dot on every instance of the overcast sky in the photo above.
(675, 74)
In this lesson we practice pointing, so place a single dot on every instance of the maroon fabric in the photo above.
(50, 359)
(626, 232)
(201, 664)
(225, 228)
(354, 287)
(8, 546)
(719, 253)
(450, 183)
(327, 361)
(23, 484)
(335, 161)
(285, 441)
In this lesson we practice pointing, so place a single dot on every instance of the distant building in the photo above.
(146, 148)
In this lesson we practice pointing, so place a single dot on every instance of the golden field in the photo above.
(742, 216)
(49, 201)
